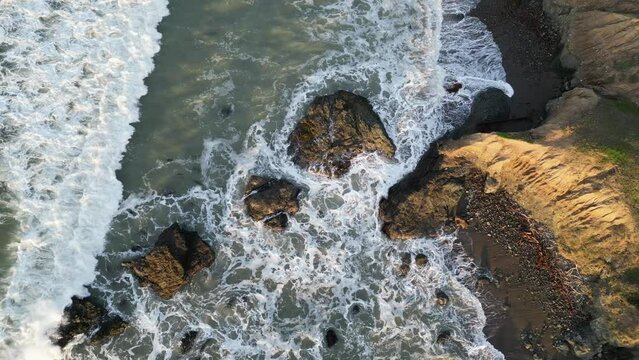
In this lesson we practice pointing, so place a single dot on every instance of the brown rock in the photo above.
(177, 256)
(420, 205)
(271, 201)
(453, 87)
(86, 316)
(110, 327)
(336, 129)
(421, 260)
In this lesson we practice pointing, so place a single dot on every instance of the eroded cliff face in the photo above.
(601, 42)
(576, 193)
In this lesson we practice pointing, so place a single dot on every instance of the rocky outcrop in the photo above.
(577, 194)
(422, 203)
(176, 257)
(601, 42)
(86, 317)
(490, 107)
(336, 129)
(271, 201)
(554, 181)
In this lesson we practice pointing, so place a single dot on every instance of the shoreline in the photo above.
(530, 45)
(533, 53)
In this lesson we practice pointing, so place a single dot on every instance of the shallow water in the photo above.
(230, 81)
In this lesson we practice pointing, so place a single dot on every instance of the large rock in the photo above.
(271, 201)
(336, 129)
(423, 201)
(177, 256)
(491, 107)
(85, 316)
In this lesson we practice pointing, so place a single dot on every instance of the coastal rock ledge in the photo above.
(336, 129)
(271, 201)
(559, 201)
(176, 257)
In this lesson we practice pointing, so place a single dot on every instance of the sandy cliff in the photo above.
(601, 42)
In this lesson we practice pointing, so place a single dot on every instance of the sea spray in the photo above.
(71, 74)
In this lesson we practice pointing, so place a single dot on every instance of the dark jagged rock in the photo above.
(176, 257)
(611, 352)
(279, 221)
(490, 108)
(404, 269)
(188, 340)
(355, 309)
(271, 201)
(80, 317)
(331, 338)
(407, 258)
(86, 316)
(453, 87)
(444, 337)
(423, 201)
(336, 129)
(112, 326)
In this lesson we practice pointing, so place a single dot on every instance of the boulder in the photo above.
(110, 327)
(331, 338)
(453, 87)
(85, 316)
(188, 340)
(490, 106)
(336, 129)
(424, 201)
(271, 201)
(421, 260)
(176, 257)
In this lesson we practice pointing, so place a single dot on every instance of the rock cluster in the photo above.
(336, 129)
(176, 257)
(271, 201)
(85, 316)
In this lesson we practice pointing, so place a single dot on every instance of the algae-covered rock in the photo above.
(336, 129)
(86, 316)
(271, 201)
(176, 257)
(422, 203)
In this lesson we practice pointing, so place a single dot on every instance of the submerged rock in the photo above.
(442, 298)
(85, 316)
(112, 326)
(176, 257)
(444, 337)
(331, 338)
(453, 87)
(271, 201)
(336, 129)
(489, 106)
(188, 340)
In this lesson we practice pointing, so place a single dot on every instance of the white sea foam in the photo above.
(71, 74)
(272, 295)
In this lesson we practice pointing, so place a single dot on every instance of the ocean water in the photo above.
(83, 191)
